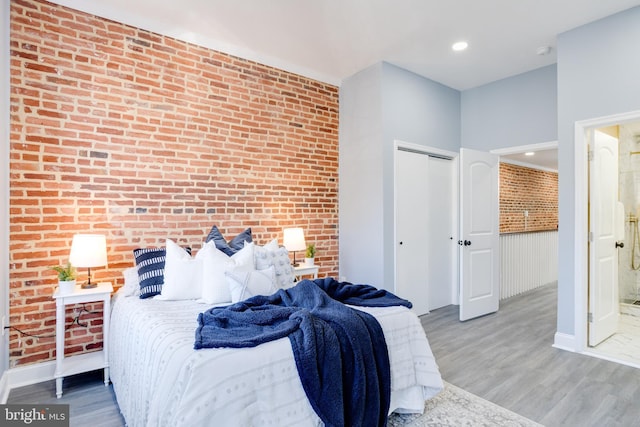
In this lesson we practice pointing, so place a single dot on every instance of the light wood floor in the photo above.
(505, 357)
(90, 402)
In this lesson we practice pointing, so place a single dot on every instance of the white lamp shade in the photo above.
(88, 250)
(294, 239)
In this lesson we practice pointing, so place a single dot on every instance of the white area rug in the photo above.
(456, 407)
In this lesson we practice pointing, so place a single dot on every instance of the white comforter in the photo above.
(160, 380)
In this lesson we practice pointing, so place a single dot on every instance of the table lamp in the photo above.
(88, 250)
(294, 241)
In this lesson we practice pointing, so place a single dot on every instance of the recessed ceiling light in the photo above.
(529, 153)
(458, 46)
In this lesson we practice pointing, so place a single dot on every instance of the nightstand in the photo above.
(89, 361)
(305, 270)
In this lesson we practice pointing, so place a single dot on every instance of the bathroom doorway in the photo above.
(614, 314)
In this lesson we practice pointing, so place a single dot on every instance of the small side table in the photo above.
(306, 270)
(89, 361)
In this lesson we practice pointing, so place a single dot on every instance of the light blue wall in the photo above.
(519, 110)
(419, 111)
(360, 172)
(598, 75)
(385, 103)
(377, 106)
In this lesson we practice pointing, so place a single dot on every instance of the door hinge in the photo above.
(590, 155)
(590, 317)
(590, 236)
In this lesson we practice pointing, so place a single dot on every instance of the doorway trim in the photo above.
(581, 224)
(454, 156)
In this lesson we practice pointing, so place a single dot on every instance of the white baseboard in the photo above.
(564, 341)
(4, 388)
(30, 374)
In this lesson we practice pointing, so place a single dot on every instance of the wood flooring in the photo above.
(505, 357)
(90, 402)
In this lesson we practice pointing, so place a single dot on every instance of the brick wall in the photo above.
(525, 189)
(141, 137)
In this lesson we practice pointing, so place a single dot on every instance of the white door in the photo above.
(479, 234)
(424, 189)
(440, 223)
(603, 253)
(412, 208)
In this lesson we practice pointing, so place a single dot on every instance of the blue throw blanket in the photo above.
(340, 352)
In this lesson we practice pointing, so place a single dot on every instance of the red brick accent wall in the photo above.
(525, 189)
(141, 137)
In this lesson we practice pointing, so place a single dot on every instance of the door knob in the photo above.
(467, 243)
(619, 244)
(400, 242)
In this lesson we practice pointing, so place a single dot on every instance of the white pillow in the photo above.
(261, 254)
(215, 289)
(131, 284)
(215, 263)
(245, 283)
(182, 274)
(244, 257)
(271, 255)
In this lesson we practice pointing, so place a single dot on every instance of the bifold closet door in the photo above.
(412, 235)
(440, 223)
(423, 228)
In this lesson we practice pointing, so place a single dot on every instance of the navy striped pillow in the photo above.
(150, 263)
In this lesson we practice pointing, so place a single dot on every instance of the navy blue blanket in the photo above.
(340, 352)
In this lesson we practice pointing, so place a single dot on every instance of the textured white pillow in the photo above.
(245, 283)
(215, 289)
(131, 283)
(182, 274)
(271, 255)
(261, 254)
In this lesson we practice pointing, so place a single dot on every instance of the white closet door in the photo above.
(440, 225)
(424, 225)
(412, 209)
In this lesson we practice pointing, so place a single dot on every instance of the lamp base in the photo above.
(89, 285)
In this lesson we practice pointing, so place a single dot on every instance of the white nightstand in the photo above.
(89, 361)
(305, 270)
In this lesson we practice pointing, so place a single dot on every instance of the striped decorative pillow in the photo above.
(150, 263)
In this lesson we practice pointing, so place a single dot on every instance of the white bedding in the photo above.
(160, 380)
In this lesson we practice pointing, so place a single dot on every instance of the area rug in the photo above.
(456, 407)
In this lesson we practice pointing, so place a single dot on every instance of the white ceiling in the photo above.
(546, 159)
(330, 40)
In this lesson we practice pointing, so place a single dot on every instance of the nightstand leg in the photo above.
(59, 346)
(106, 313)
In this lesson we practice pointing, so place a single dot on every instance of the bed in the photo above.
(160, 379)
